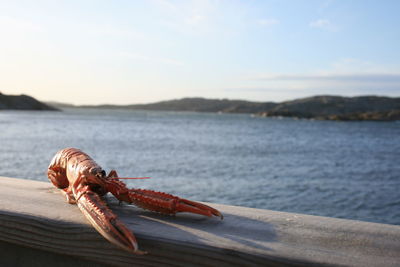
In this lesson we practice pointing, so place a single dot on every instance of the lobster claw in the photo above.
(106, 222)
(156, 201)
(166, 203)
(184, 205)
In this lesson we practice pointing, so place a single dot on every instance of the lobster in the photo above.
(84, 183)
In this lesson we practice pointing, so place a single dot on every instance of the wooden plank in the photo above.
(35, 215)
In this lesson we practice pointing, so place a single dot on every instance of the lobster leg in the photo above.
(105, 221)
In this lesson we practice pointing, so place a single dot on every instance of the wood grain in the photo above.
(35, 216)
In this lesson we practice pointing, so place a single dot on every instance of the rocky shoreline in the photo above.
(393, 115)
(371, 108)
(22, 102)
(325, 107)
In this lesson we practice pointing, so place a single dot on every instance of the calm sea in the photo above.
(338, 169)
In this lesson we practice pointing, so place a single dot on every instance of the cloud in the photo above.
(325, 5)
(164, 4)
(16, 25)
(344, 70)
(108, 30)
(268, 22)
(323, 24)
(351, 77)
(348, 76)
(195, 19)
(155, 60)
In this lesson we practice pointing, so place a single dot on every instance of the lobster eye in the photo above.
(100, 173)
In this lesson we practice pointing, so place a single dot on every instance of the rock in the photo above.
(22, 102)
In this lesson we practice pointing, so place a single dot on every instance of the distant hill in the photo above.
(207, 105)
(339, 108)
(22, 102)
(323, 107)
(196, 104)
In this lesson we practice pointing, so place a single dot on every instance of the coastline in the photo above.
(324, 107)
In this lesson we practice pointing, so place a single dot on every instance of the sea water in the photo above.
(338, 169)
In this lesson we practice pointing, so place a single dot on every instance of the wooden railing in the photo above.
(38, 228)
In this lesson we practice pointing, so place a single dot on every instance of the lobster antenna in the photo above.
(131, 178)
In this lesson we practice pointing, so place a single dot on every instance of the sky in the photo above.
(126, 52)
